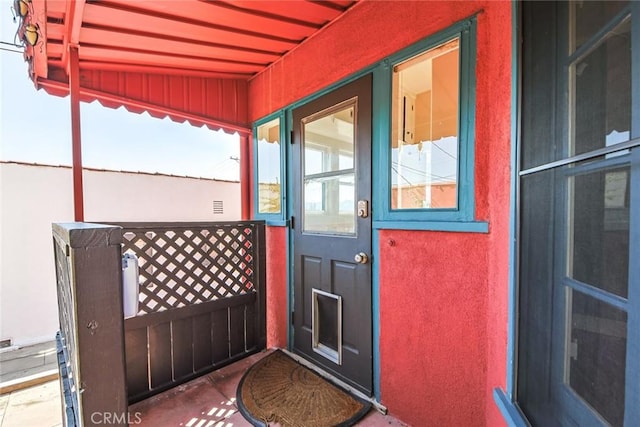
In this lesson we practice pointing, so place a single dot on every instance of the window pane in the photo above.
(269, 179)
(599, 229)
(540, 134)
(536, 287)
(329, 142)
(329, 186)
(424, 141)
(596, 355)
(329, 205)
(602, 94)
(591, 16)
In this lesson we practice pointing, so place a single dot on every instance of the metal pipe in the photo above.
(76, 140)
(245, 177)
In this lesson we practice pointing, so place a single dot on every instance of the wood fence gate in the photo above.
(201, 303)
(201, 306)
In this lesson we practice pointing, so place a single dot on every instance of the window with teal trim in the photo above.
(268, 137)
(429, 156)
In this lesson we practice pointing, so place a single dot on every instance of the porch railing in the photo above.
(201, 306)
(201, 301)
(90, 340)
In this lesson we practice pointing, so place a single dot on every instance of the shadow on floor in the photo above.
(210, 401)
(207, 401)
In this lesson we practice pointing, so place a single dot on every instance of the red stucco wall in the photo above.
(493, 129)
(276, 241)
(433, 337)
(443, 296)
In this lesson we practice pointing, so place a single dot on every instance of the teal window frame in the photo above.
(270, 218)
(461, 218)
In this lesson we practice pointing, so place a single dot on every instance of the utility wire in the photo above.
(223, 161)
(444, 151)
(11, 44)
(2, 44)
(423, 173)
(415, 196)
(10, 50)
(395, 169)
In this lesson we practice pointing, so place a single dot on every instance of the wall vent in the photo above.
(218, 207)
(5, 343)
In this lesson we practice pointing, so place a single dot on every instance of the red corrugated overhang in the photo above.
(186, 59)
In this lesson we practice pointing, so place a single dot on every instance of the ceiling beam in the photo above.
(225, 15)
(97, 14)
(78, 9)
(315, 13)
(113, 38)
(167, 59)
(73, 14)
(169, 71)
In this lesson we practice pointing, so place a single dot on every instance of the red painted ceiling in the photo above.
(216, 45)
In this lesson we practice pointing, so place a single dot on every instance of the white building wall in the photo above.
(33, 196)
(111, 196)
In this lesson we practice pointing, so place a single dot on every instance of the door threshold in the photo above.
(379, 406)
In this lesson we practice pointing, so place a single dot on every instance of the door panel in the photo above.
(332, 290)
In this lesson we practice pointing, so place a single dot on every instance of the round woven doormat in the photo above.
(277, 389)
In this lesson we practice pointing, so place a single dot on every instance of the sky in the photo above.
(35, 127)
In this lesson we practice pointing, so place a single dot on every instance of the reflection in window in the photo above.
(599, 229)
(269, 188)
(424, 143)
(596, 356)
(601, 93)
(329, 174)
(588, 17)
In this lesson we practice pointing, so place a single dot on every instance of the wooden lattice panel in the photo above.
(67, 320)
(181, 266)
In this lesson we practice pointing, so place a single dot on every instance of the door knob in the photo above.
(361, 258)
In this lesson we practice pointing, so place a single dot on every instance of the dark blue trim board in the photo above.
(277, 222)
(511, 413)
(375, 301)
(514, 200)
(453, 226)
(288, 188)
(633, 321)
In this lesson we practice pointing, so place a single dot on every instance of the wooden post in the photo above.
(89, 282)
(260, 252)
(76, 140)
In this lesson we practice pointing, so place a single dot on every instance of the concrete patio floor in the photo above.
(210, 401)
(29, 390)
(36, 406)
(207, 401)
